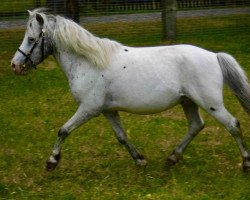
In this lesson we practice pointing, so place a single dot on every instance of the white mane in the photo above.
(69, 35)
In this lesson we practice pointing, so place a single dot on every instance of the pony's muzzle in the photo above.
(18, 69)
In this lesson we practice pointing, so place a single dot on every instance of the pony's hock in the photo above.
(106, 77)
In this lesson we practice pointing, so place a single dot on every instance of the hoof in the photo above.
(53, 162)
(50, 166)
(246, 166)
(173, 159)
(141, 162)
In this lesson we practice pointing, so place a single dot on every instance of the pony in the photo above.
(106, 77)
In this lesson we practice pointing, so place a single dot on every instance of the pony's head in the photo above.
(36, 45)
(46, 33)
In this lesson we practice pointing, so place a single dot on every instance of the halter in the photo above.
(27, 55)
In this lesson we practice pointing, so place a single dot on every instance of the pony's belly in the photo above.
(143, 105)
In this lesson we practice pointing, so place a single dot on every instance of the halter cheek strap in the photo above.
(27, 55)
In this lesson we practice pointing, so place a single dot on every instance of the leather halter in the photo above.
(27, 55)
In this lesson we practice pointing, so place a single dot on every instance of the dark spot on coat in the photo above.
(212, 109)
(125, 50)
(124, 67)
(102, 75)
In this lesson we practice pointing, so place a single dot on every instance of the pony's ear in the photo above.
(30, 13)
(40, 19)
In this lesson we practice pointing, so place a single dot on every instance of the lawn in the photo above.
(94, 165)
(17, 5)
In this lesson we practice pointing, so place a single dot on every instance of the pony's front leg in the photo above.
(114, 120)
(81, 116)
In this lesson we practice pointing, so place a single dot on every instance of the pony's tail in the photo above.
(236, 79)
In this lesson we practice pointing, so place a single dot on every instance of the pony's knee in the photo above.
(63, 132)
(122, 140)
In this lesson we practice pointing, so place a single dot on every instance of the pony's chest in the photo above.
(86, 85)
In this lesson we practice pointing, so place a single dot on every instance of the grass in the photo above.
(94, 165)
(17, 5)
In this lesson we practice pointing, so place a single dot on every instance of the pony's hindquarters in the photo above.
(236, 79)
(206, 90)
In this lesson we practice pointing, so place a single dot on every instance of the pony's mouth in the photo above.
(19, 69)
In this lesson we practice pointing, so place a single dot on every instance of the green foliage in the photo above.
(94, 165)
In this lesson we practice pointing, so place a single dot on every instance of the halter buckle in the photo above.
(43, 32)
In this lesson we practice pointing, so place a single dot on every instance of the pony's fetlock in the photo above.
(246, 165)
(174, 158)
(53, 162)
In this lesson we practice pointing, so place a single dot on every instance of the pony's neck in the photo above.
(71, 63)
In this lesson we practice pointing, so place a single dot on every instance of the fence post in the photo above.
(168, 15)
(72, 10)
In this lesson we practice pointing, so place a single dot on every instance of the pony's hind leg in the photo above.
(233, 126)
(114, 120)
(195, 125)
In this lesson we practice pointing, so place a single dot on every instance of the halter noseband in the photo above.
(27, 55)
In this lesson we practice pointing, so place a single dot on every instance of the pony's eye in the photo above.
(31, 39)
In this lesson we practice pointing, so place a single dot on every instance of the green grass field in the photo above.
(18, 5)
(94, 165)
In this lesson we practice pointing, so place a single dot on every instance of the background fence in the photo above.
(134, 20)
(16, 8)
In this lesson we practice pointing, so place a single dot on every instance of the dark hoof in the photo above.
(50, 166)
(53, 162)
(173, 159)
